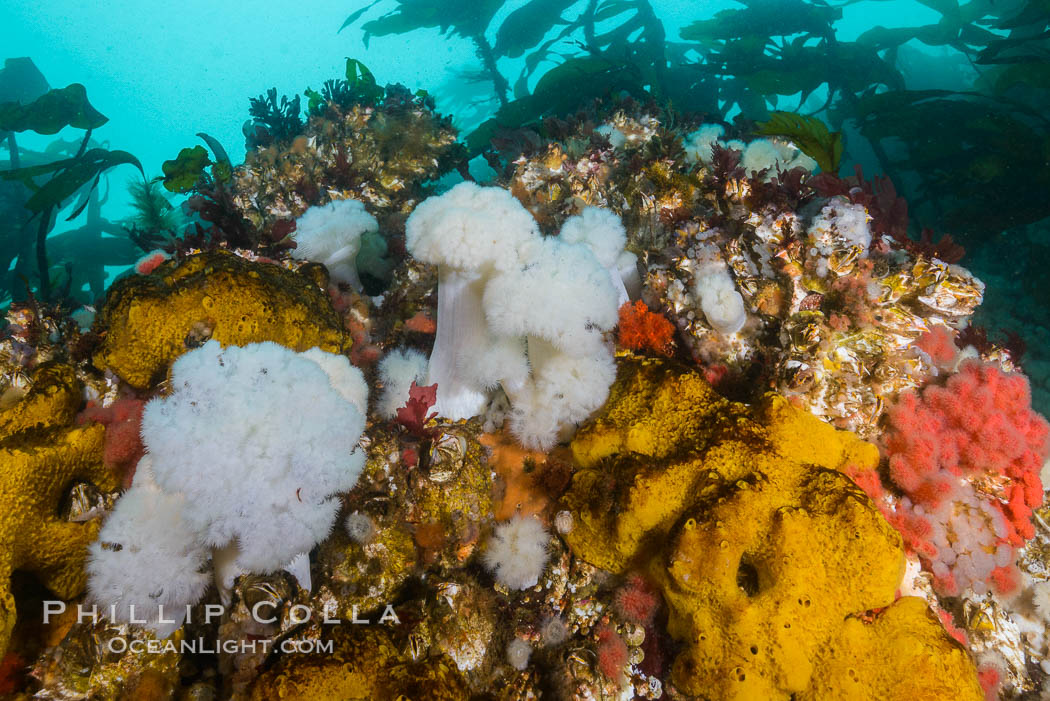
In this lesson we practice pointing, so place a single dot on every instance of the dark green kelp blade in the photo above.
(21, 81)
(182, 173)
(810, 135)
(52, 112)
(71, 175)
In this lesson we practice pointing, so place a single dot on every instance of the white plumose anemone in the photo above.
(518, 310)
(398, 370)
(245, 459)
(331, 234)
(517, 552)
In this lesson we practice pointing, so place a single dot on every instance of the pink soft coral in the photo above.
(939, 344)
(123, 447)
(967, 456)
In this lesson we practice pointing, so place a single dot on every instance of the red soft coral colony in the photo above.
(123, 422)
(643, 330)
(967, 455)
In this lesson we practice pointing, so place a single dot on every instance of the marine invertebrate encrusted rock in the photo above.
(364, 576)
(642, 177)
(150, 320)
(768, 280)
(379, 154)
(42, 454)
(830, 322)
(451, 494)
(62, 674)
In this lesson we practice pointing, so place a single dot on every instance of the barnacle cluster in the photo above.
(380, 154)
(832, 318)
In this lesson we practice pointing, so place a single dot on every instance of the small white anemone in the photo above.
(398, 370)
(517, 552)
(359, 527)
(518, 653)
(722, 304)
(331, 234)
(553, 631)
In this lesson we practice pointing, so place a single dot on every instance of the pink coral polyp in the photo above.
(967, 456)
(939, 344)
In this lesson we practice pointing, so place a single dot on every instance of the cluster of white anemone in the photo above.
(245, 458)
(519, 310)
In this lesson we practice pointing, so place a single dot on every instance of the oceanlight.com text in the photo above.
(119, 645)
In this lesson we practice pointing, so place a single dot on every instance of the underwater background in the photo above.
(622, 348)
(972, 161)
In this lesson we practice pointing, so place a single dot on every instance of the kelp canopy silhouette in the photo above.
(973, 160)
(980, 156)
(769, 51)
(53, 183)
(615, 46)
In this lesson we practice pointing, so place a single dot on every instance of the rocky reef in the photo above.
(368, 434)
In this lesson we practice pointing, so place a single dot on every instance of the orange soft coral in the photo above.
(421, 323)
(527, 478)
(643, 330)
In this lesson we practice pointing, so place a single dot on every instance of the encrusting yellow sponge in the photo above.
(42, 455)
(769, 558)
(365, 664)
(150, 320)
